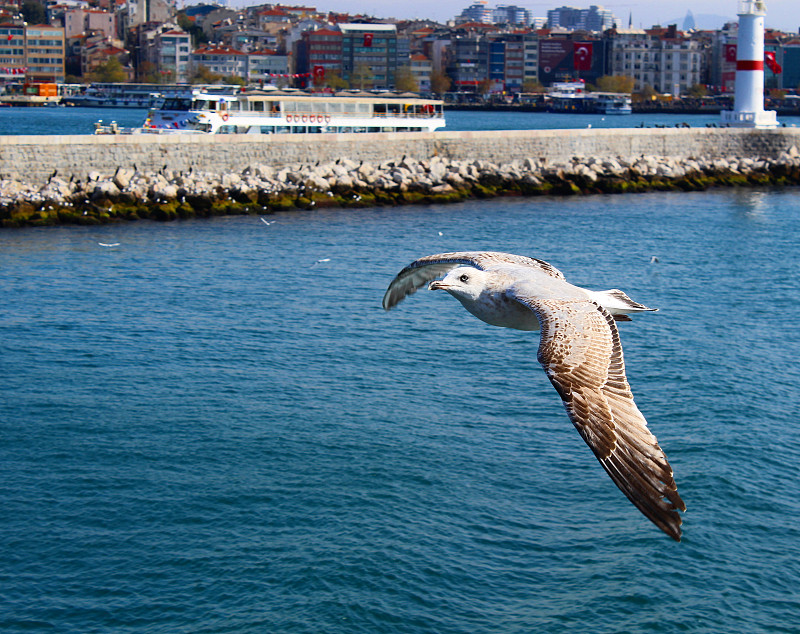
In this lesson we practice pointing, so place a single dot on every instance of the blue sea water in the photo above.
(17, 120)
(206, 430)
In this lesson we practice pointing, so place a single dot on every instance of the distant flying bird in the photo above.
(267, 223)
(321, 261)
(109, 244)
(580, 351)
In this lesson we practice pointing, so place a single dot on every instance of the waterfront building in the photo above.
(530, 57)
(468, 63)
(166, 50)
(12, 52)
(45, 53)
(369, 54)
(790, 61)
(224, 61)
(506, 63)
(421, 69)
(266, 65)
(319, 52)
(662, 58)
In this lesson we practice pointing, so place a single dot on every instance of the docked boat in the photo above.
(571, 97)
(613, 103)
(114, 95)
(274, 111)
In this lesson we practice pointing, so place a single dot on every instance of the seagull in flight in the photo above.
(581, 354)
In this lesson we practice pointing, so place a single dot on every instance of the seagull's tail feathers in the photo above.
(618, 303)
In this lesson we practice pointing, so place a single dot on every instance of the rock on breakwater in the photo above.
(165, 194)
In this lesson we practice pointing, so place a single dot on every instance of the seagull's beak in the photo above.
(437, 285)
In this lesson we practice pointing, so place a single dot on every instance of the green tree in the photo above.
(615, 83)
(33, 12)
(648, 93)
(533, 85)
(332, 80)
(404, 80)
(698, 90)
(362, 77)
(203, 75)
(440, 82)
(192, 28)
(109, 71)
(234, 80)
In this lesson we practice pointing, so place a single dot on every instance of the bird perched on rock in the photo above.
(581, 354)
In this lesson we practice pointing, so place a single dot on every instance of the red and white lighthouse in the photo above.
(748, 105)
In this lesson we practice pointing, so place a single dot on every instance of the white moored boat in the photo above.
(291, 112)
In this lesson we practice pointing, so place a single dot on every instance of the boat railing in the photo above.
(253, 114)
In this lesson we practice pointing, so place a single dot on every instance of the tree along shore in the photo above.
(261, 189)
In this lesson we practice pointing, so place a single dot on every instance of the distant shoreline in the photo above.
(638, 108)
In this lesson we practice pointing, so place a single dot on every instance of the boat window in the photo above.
(288, 106)
(234, 105)
(334, 107)
(177, 104)
(364, 107)
(258, 106)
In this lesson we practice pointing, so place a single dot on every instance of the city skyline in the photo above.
(781, 14)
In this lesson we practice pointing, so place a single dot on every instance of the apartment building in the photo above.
(661, 58)
(421, 69)
(44, 52)
(369, 50)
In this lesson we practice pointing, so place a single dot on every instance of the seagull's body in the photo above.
(580, 352)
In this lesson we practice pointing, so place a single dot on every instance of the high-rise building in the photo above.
(369, 55)
(511, 14)
(477, 12)
(595, 18)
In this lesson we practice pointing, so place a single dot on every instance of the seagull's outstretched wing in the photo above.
(582, 356)
(427, 269)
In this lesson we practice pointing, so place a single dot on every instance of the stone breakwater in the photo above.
(129, 194)
(93, 179)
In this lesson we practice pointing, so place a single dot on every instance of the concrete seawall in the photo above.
(33, 159)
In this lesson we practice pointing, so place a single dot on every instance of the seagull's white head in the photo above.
(465, 283)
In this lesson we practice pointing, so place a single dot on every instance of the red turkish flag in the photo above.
(319, 73)
(771, 62)
(582, 55)
(367, 39)
(730, 53)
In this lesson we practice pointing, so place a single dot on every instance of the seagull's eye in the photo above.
(464, 278)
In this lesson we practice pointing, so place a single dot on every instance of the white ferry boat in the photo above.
(572, 97)
(614, 103)
(114, 95)
(274, 111)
